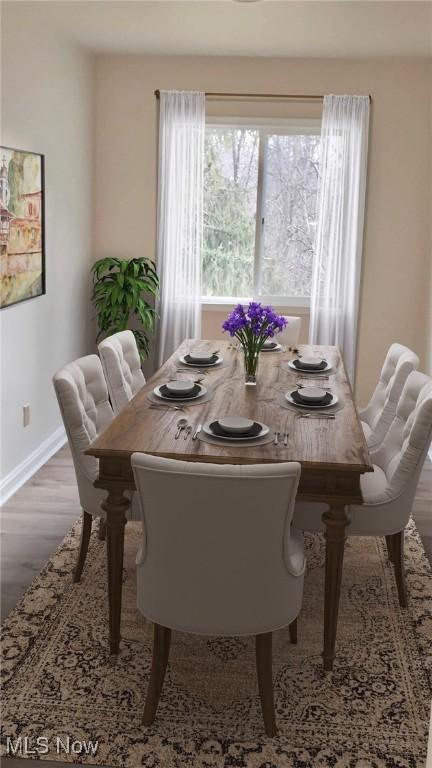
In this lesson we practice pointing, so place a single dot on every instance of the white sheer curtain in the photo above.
(180, 217)
(339, 238)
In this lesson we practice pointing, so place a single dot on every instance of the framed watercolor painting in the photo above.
(22, 235)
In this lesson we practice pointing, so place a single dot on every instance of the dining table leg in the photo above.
(115, 506)
(335, 520)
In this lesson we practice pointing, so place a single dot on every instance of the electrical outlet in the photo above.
(26, 415)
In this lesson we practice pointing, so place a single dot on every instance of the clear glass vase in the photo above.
(250, 366)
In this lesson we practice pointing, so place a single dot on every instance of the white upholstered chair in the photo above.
(389, 491)
(290, 335)
(85, 408)
(218, 558)
(86, 411)
(122, 368)
(380, 411)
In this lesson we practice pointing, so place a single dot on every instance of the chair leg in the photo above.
(161, 647)
(390, 548)
(398, 554)
(84, 542)
(293, 632)
(263, 649)
(102, 529)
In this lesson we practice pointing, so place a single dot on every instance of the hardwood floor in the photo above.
(36, 519)
(33, 523)
(423, 508)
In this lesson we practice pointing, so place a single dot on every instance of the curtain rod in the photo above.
(287, 96)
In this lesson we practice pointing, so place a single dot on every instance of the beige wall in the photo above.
(47, 106)
(395, 289)
(429, 317)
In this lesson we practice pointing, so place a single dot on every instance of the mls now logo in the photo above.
(23, 746)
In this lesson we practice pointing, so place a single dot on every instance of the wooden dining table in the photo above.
(332, 452)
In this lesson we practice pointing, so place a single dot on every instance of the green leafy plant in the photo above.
(119, 287)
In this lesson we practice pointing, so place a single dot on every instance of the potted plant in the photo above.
(119, 288)
(252, 327)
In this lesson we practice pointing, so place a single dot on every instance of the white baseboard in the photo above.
(15, 479)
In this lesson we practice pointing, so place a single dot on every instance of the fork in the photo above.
(157, 407)
(187, 369)
(195, 381)
(276, 438)
(315, 415)
(300, 386)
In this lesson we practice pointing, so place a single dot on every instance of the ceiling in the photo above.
(330, 28)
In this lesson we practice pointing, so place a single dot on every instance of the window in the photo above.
(260, 189)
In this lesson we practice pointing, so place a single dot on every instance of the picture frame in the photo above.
(22, 226)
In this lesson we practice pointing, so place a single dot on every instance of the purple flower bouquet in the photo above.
(252, 327)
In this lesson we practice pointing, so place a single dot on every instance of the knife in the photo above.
(195, 434)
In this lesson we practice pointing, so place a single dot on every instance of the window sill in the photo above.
(295, 306)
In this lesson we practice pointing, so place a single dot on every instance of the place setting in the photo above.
(311, 366)
(311, 401)
(201, 359)
(180, 392)
(270, 345)
(235, 430)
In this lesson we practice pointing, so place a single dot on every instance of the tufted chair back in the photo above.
(83, 399)
(403, 451)
(290, 336)
(379, 413)
(122, 368)
(217, 558)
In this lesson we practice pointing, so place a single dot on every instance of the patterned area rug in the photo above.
(373, 710)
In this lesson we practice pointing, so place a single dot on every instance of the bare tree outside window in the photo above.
(290, 193)
(289, 167)
(230, 201)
